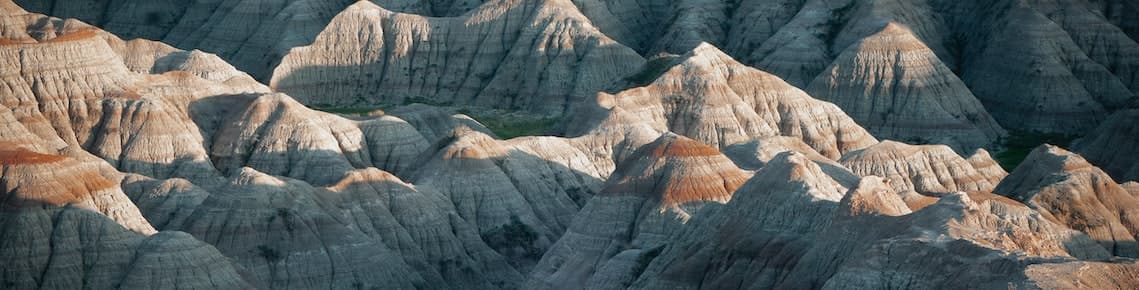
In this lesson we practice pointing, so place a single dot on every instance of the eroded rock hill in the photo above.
(512, 54)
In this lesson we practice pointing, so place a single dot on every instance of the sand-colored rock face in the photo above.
(41, 180)
(675, 170)
(1068, 190)
(709, 97)
(926, 169)
(1114, 146)
(896, 87)
(518, 54)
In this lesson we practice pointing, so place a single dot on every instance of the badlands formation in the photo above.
(757, 144)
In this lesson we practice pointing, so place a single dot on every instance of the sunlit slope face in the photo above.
(748, 158)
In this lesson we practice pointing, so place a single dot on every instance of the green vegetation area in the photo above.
(507, 126)
(356, 111)
(1018, 144)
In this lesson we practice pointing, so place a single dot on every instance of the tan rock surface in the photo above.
(650, 196)
(1068, 190)
(927, 169)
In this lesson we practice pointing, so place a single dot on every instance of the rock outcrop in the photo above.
(927, 169)
(1068, 190)
(73, 247)
(776, 234)
(897, 88)
(707, 96)
(651, 195)
(1114, 146)
(533, 55)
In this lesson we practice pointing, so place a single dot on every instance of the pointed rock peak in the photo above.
(250, 176)
(1049, 158)
(873, 196)
(367, 175)
(676, 170)
(466, 143)
(791, 172)
(362, 5)
(986, 165)
(708, 50)
(671, 145)
(894, 37)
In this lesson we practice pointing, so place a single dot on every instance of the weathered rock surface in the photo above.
(927, 169)
(1114, 146)
(512, 54)
(897, 88)
(880, 235)
(43, 180)
(1066, 189)
(73, 247)
(651, 195)
(707, 96)
(520, 194)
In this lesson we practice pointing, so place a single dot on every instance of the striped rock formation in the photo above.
(651, 195)
(1064, 187)
(513, 54)
(707, 96)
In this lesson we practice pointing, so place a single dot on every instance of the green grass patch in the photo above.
(506, 127)
(1018, 144)
(356, 111)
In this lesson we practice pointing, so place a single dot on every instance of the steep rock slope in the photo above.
(71, 247)
(897, 88)
(252, 34)
(926, 169)
(880, 235)
(1085, 67)
(187, 140)
(34, 179)
(1114, 146)
(707, 96)
(512, 54)
(651, 195)
(519, 194)
(1067, 189)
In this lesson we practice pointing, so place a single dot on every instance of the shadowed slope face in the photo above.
(709, 97)
(1114, 145)
(513, 54)
(1068, 190)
